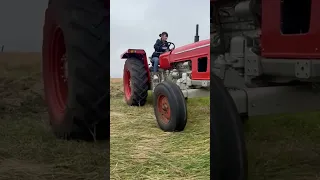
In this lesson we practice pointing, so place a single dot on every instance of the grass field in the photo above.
(28, 150)
(282, 147)
(140, 150)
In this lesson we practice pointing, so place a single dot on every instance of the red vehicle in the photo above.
(265, 60)
(184, 73)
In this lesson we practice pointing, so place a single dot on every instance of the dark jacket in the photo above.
(160, 46)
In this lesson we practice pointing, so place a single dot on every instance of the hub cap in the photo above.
(164, 109)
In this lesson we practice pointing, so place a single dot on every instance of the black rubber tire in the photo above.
(139, 82)
(177, 103)
(228, 151)
(85, 27)
(244, 118)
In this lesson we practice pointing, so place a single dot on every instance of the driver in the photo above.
(160, 46)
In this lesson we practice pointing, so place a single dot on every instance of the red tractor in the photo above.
(75, 65)
(184, 73)
(264, 60)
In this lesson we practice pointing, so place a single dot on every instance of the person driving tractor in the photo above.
(160, 46)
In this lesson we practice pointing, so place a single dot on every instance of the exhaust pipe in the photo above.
(196, 37)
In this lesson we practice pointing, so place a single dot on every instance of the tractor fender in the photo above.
(139, 54)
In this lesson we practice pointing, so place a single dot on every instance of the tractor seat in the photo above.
(150, 58)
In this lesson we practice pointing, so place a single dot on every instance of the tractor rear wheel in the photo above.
(75, 65)
(228, 152)
(135, 82)
(170, 107)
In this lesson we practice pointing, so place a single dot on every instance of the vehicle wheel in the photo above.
(228, 152)
(75, 65)
(135, 82)
(244, 117)
(170, 107)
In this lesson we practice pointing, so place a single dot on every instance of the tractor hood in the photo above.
(191, 47)
(182, 53)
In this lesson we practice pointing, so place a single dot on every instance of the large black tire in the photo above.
(135, 82)
(169, 95)
(85, 28)
(228, 152)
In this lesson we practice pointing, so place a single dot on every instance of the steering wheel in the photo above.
(169, 45)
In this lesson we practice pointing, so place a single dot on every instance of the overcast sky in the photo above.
(137, 24)
(134, 24)
(21, 24)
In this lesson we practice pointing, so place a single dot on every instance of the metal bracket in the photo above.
(252, 66)
(219, 66)
(303, 69)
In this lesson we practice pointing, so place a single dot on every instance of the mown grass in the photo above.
(280, 147)
(28, 149)
(140, 150)
(284, 147)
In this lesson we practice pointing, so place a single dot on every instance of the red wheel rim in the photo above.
(126, 84)
(57, 76)
(164, 109)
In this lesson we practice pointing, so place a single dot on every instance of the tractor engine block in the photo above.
(235, 29)
(179, 74)
(234, 21)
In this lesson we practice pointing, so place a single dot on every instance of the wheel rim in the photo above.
(164, 109)
(127, 84)
(58, 74)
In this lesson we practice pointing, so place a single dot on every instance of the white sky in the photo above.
(137, 24)
(21, 24)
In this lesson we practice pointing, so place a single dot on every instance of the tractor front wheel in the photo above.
(170, 107)
(228, 152)
(135, 82)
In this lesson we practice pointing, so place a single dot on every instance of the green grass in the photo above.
(140, 150)
(284, 147)
(280, 147)
(28, 149)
